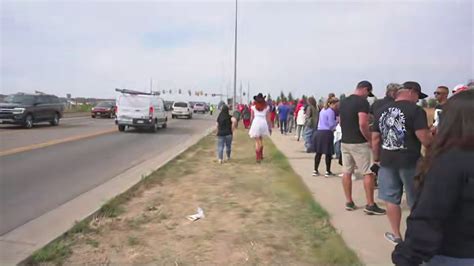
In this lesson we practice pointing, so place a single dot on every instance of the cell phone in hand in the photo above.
(375, 169)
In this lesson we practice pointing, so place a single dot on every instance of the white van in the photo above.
(182, 109)
(140, 110)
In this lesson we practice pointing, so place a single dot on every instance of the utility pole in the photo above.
(248, 92)
(151, 85)
(241, 97)
(235, 60)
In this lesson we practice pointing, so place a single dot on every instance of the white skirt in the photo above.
(259, 128)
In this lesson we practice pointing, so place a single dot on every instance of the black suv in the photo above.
(27, 109)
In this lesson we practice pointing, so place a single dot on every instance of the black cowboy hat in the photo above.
(259, 98)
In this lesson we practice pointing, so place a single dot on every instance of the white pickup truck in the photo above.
(140, 110)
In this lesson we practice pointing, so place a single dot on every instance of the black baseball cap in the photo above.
(413, 85)
(366, 84)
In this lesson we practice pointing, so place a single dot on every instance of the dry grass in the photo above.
(255, 214)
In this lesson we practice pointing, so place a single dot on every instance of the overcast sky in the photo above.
(88, 48)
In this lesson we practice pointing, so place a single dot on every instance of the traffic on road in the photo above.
(44, 166)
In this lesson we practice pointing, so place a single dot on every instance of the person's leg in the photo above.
(285, 126)
(337, 149)
(369, 187)
(281, 126)
(220, 148)
(348, 166)
(390, 191)
(307, 134)
(362, 157)
(407, 176)
(317, 160)
(328, 163)
(228, 146)
(257, 149)
(290, 123)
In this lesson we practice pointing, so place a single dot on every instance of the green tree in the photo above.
(342, 96)
(290, 97)
(304, 97)
(282, 96)
(432, 103)
(269, 97)
(278, 99)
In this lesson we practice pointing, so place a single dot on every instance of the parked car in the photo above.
(200, 108)
(28, 109)
(140, 110)
(182, 109)
(103, 109)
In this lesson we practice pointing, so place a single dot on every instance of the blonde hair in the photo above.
(330, 101)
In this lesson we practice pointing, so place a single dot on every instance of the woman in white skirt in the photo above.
(261, 124)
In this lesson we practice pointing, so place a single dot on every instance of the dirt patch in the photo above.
(255, 214)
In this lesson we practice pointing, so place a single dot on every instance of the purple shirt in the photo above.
(327, 119)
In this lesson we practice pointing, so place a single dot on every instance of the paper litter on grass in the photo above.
(198, 215)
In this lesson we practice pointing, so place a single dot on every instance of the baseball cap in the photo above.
(366, 84)
(413, 85)
(459, 88)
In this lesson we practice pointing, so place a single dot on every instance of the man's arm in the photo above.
(376, 146)
(425, 137)
(234, 124)
(364, 126)
(421, 128)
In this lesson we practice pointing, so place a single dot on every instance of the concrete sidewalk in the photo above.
(362, 233)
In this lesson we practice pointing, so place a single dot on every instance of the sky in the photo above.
(88, 48)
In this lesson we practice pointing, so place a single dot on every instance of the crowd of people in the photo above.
(383, 142)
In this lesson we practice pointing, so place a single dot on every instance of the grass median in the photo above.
(256, 214)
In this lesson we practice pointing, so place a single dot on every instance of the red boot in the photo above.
(261, 153)
(257, 156)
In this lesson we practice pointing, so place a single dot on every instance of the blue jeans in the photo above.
(337, 149)
(308, 139)
(291, 123)
(283, 126)
(393, 180)
(224, 141)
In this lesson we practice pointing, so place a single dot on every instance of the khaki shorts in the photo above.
(356, 156)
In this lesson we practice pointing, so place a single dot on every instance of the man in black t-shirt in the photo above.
(355, 146)
(399, 130)
(390, 94)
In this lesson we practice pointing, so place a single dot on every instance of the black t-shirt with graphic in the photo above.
(380, 103)
(349, 114)
(397, 123)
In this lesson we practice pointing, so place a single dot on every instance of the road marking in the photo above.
(55, 142)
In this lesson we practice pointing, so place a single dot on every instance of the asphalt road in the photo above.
(35, 181)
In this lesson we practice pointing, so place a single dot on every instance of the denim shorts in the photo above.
(393, 180)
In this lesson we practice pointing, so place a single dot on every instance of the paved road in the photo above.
(36, 181)
(13, 136)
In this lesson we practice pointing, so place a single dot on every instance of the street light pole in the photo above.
(235, 61)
